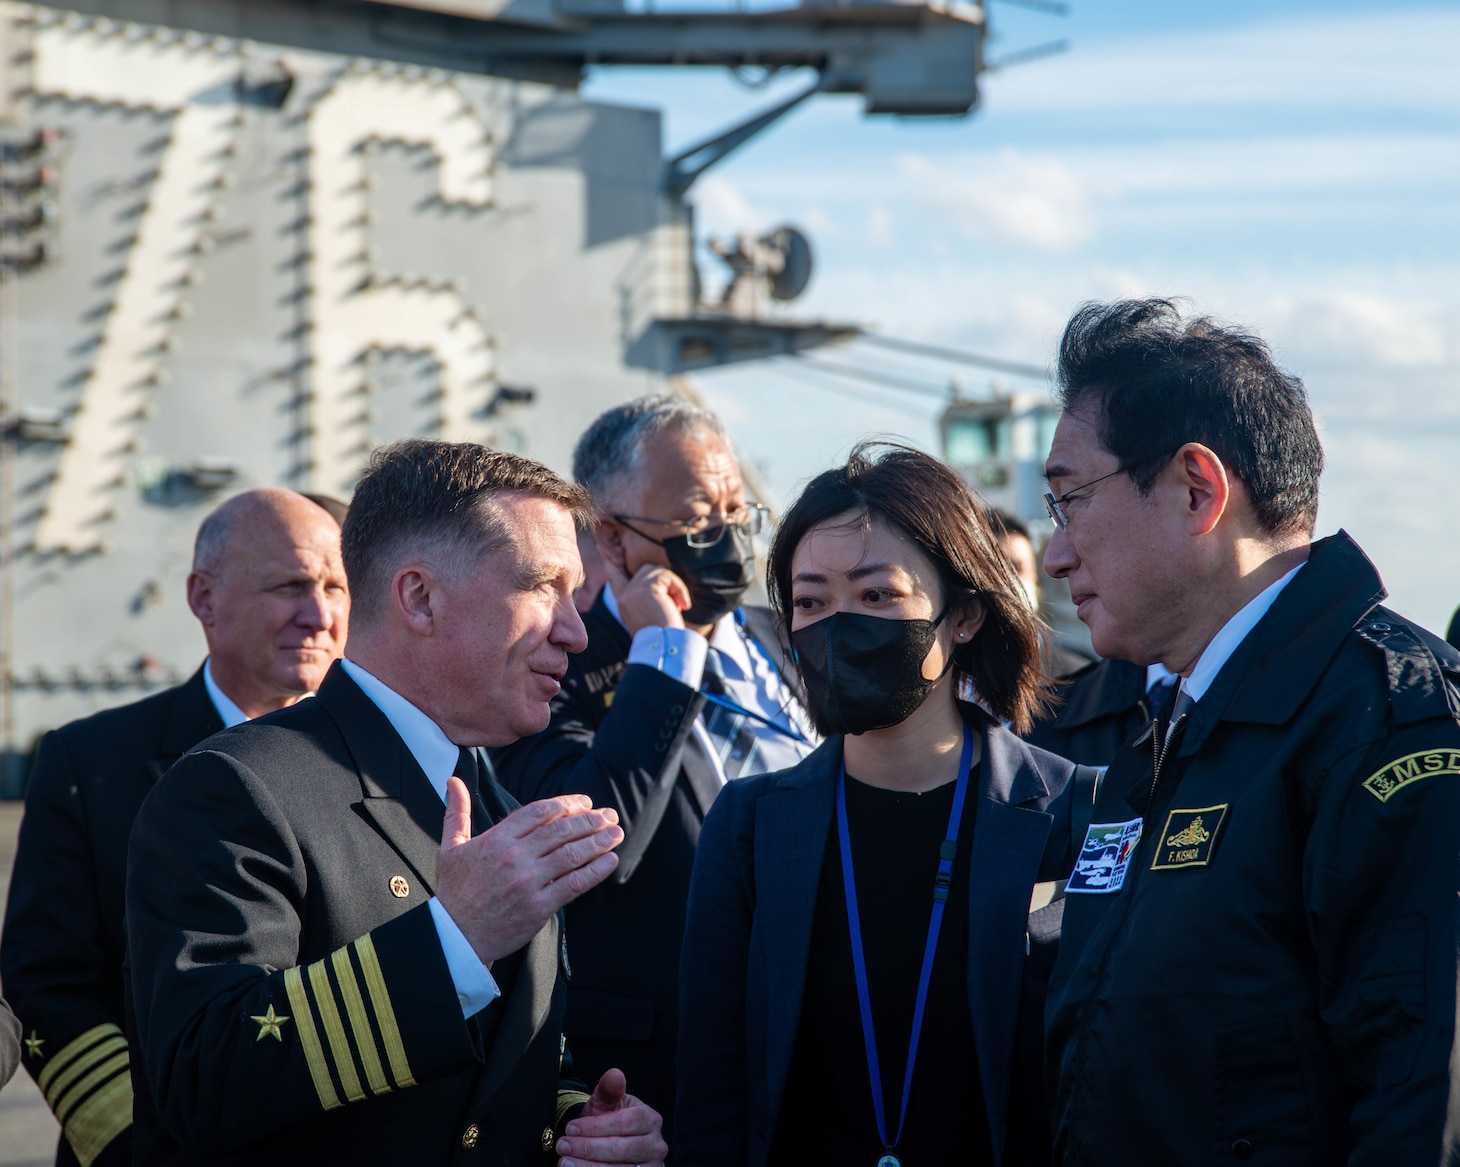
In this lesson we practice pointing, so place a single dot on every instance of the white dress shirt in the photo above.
(230, 713)
(1233, 633)
(437, 756)
(751, 678)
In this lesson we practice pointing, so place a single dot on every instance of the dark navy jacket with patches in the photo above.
(1280, 987)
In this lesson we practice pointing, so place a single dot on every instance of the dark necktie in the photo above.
(1158, 697)
(733, 733)
(504, 971)
(469, 772)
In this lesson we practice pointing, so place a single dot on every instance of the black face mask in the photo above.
(864, 672)
(717, 577)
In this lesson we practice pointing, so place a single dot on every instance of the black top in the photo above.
(827, 1114)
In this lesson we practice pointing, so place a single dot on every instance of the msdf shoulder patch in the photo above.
(1189, 838)
(1411, 768)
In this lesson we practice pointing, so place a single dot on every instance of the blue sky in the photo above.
(1291, 166)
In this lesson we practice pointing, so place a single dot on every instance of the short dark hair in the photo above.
(1005, 524)
(921, 498)
(1158, 380)
(421, 494)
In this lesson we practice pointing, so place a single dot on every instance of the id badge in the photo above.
(1104, 858)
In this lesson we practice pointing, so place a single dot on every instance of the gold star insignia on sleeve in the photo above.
(269, 1025)
(33, 1045)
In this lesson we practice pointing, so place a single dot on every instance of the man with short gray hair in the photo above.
(680, 690)
(343, 938)
(268, 588)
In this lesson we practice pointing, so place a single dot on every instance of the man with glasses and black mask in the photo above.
(1267, 972)
(680, 690)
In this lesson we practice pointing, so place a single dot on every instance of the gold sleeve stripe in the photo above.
(100, 1119)
(72, 1048)
(309, 1039)
(567, 1099)
(359, 1021)
(395, 1049)
(334, 1030)
(56, 1088)
(107, 1069)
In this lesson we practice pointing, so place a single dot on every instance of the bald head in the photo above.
(269, 589)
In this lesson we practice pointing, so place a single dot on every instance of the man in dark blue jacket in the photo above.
(1258, 956)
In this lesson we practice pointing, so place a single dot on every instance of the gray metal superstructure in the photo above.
(243, 242)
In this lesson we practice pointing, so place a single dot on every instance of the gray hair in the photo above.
(610, 450)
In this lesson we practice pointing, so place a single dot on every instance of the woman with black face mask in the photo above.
(862, 978)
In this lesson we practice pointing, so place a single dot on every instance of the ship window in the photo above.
(971, 440)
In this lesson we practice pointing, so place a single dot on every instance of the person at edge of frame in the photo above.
(1017, 543)
(9, 1043)
(681, 689)
(1258, 955)
(862, 979)
(343, 938)
(268, 588)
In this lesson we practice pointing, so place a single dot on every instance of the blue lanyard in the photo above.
(726, 703)
(942, 882)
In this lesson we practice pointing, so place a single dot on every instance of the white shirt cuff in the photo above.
(675, 652)
(475, 988)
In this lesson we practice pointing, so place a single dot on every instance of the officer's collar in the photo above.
(1103, 689)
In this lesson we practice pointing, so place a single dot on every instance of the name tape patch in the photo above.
(1411, 768)
(1104, 858)
(1189, 837)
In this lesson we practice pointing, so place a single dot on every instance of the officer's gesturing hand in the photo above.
(501, 887)
(614, 1128)
(653, 597)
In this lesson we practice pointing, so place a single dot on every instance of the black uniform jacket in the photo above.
(620, 734)
(61, 955)
(1099, 709)
(9, 1043)
(750, 915)
(1275, 981)
(292, 1001)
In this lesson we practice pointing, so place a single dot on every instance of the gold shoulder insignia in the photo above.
(33, 1045)
(1401, 772)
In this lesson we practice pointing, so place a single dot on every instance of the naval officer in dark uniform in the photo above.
(1258, 954)
(343, 940)
(268, 588)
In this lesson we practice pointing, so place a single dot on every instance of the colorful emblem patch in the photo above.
(1189, 838)
(1411, 768)
(1104, 858)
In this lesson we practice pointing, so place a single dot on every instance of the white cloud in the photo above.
(1361, 328)
(1006, 197)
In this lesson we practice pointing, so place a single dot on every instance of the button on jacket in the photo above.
(1275, 980)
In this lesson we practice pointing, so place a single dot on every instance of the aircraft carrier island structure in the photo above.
(241, 243)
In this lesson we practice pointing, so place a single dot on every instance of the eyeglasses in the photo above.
(705, 530)
(1056, 506)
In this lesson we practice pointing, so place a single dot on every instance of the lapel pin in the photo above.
(399, 887)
